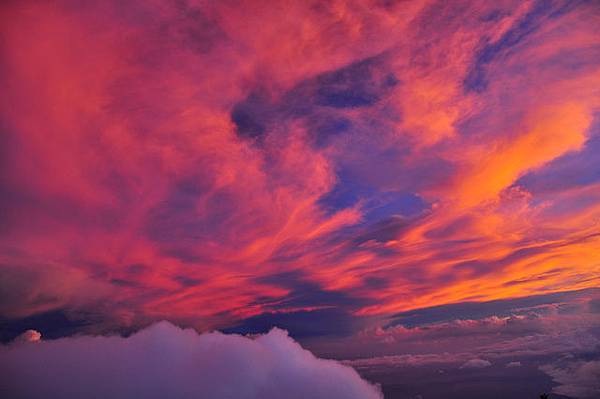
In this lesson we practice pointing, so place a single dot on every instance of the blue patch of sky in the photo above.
(376, 204)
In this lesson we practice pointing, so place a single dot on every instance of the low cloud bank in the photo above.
(164, 361)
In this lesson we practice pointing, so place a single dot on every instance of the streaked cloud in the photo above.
(237, 165)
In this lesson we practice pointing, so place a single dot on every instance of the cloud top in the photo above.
(166, 361)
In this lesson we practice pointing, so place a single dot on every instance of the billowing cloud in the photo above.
(166, 361)
(576, 379)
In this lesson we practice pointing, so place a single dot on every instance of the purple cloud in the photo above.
(476, 364)
(166, 361)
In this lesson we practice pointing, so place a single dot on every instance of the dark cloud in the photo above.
(252, 115)
(317, 101)
(187, 281)
(353, 86)
(324, 128)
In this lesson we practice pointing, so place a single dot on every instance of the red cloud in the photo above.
(133, 191)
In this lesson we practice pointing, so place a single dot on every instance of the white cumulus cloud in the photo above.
(164, 361)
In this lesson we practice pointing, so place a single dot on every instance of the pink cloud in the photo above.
(133, 191)
(29, 336)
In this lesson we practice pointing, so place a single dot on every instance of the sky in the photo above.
(411, 188)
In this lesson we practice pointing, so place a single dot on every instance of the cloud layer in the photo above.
(549, 327)
(165, 361)
(576, 379)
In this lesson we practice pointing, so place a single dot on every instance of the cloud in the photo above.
(577, 379)
(160, 160)
(29, 336)
(27, 289)
(513, 364)
(476, 364)
(503, 330)
(166, 361)
(387, 362)
(482, 310)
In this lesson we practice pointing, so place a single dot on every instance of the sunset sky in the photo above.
(406, 186)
